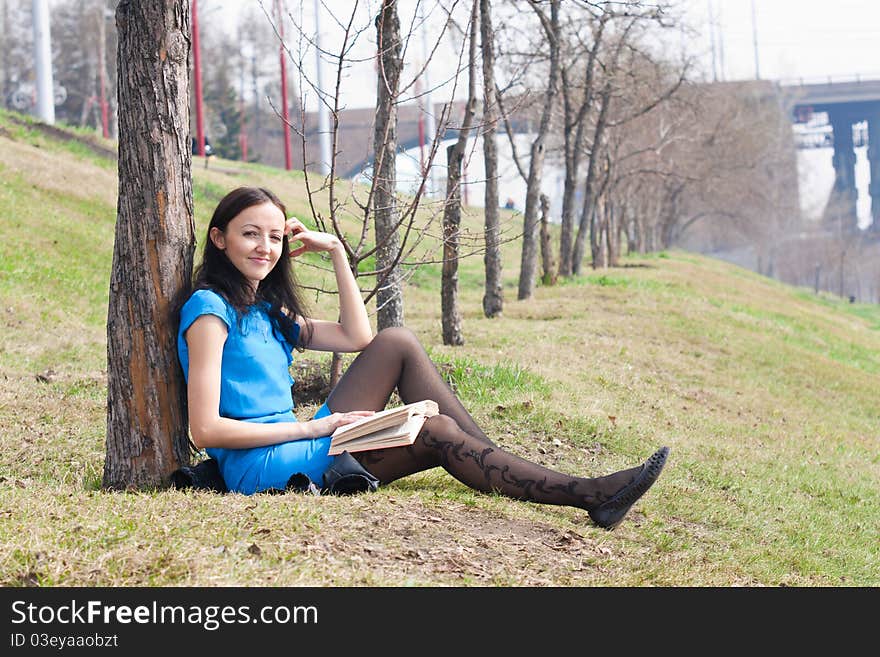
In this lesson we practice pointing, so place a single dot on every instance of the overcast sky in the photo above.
(796, 38)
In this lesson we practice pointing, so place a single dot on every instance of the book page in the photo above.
(395, 436)
(387, 418)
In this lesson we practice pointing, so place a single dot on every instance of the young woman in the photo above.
(237, 333)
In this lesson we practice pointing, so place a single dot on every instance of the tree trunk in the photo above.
(147, 435)
(529, 260)
(450, 313)
(588, 214)
(567, 227)
(595, 237)
(548, 275)
(612, 234)
(335, 369)
(633, 236)
(493, 297)
(389, 298)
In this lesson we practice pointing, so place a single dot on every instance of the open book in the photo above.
(393, 427)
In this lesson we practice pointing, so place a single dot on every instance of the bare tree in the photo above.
(548, 266)
(493, 296)
(350, 215)
(633, 82)
(451, 314)
(575, 122)
(529, 259)
(588, 220)
(153, 249)
(389, 297)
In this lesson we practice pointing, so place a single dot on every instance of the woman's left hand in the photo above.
(311, 240)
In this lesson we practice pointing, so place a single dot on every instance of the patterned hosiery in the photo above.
(395, 359)
(451, 440)
(486, 467)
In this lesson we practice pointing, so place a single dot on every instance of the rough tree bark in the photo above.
(548, 266)
(529, 260)
(493, 297)
(389, 299)
(153, 249)
(450, 312)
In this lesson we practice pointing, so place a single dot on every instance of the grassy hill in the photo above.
(767, 395)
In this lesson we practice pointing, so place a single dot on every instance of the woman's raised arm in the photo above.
(352, 332)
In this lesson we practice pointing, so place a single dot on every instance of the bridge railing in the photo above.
(857, 78)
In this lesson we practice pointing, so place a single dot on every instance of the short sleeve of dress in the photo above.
(203, 302)
(287, 345)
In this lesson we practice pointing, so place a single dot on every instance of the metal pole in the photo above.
(430, 125)
(197, 66)
(43, 61)
(712, 43)
(719, 20)
(285, 118)
(323, 112)
(755, 41)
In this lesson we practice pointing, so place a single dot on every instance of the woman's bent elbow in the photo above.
(364, 342)
(358, 342)
(201, 436)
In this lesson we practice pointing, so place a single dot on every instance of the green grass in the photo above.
(81, 145)
(484, 384)
(766, 394)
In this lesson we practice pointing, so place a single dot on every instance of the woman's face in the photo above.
(252, 240)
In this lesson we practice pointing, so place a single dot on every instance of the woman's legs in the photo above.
(488, 468)
(453, 441)
(395, 359)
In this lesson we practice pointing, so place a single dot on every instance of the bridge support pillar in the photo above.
(874, 164)
(841, 212)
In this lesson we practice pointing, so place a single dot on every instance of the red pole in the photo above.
(200, 130)
(284, 115)
(104, 127)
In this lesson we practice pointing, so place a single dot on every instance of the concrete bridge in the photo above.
(846, 102)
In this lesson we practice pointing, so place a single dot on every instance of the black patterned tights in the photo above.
(396, 360)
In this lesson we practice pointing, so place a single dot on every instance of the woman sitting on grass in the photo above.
(237, 333)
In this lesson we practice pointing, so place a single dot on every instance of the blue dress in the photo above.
(255, 386)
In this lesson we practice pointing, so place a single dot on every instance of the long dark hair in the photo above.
(278, 289)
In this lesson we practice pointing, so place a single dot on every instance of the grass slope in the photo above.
(767, 395)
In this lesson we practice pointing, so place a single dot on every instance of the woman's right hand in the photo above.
(327, 425)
